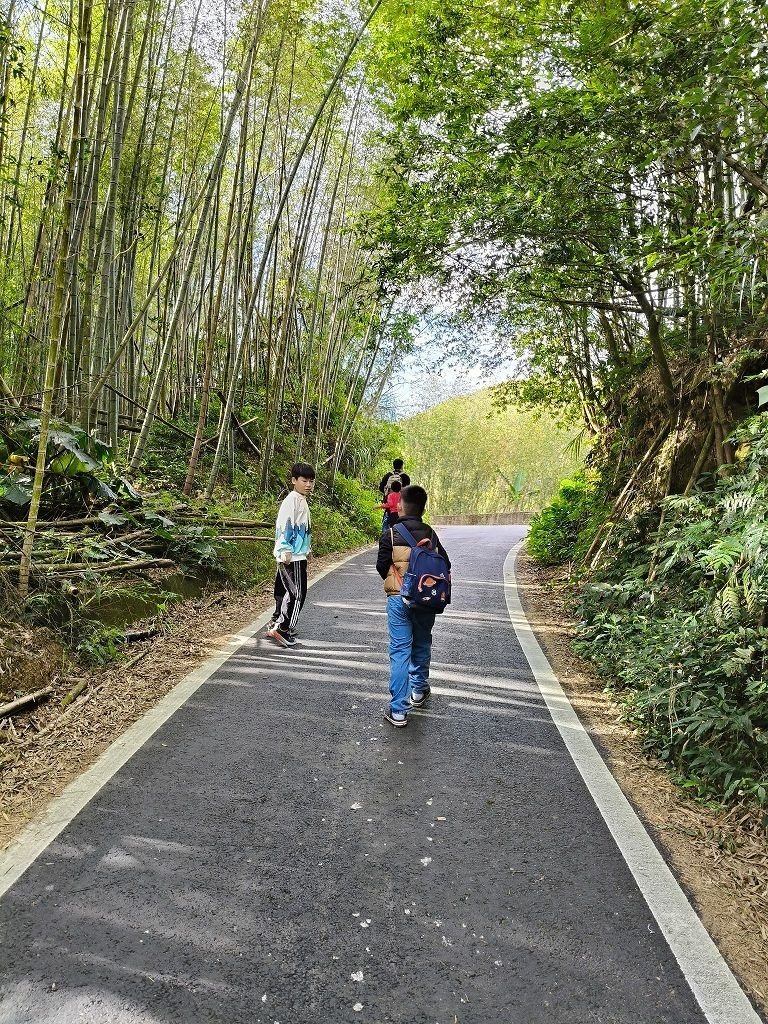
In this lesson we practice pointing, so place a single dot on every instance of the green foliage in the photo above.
(677, 620)
(53, 607)
(99, 645)
(474, 457)
(332, 531)
(191, 545)
(77, 466)
(358, 504)
(345, 519)
(373, 444)
(567, 173)
(248, 563)
(559, 532)
(516, 486)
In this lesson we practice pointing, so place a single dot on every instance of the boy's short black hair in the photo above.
(398, 464)
(395, 486)
(414, 500)
(302, 469)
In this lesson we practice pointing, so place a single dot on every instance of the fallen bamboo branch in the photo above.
(245, 536)
(75, 692)
(239, 427)
(224, 521)
(215, 438)
(22, 702)
(128, 538)
(134, 659)
(138, 405)
(704, 452)
(74, 706)
(132, 635)
(601, 539)
(141, 563)
(55, 523)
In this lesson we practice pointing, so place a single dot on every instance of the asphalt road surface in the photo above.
(277, 853)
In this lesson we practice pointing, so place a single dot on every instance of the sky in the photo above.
(443, 366)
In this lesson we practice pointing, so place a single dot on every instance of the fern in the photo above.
(687, 645)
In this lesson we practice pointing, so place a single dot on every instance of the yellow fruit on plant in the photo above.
(18, 460)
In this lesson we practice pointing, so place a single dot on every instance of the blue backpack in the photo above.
(427, 581)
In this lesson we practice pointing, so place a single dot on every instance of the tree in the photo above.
(594, 184)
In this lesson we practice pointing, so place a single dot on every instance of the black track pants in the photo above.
(290, 593)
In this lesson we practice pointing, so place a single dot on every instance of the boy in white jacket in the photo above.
(293, 541)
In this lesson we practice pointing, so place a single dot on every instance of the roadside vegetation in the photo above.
(109, 552)
(673, 609)
(473, 456)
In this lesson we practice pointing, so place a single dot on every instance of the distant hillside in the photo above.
(461, 452)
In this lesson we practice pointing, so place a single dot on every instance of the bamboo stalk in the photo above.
(74, 693)
(591, 557)
(22, 702)
(273, 229)
(247, 536)
(701, 458)
(55, 333)
(74, 706)
(101, 567)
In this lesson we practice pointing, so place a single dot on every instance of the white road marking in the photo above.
(714, 986)
(22, 851)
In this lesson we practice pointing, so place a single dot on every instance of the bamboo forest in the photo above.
(320, 318)
(510, 251)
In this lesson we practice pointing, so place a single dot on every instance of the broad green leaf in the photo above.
(15, 493)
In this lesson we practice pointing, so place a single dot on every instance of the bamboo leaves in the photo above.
(183, 225)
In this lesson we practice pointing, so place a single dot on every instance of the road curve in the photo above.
(277, 854)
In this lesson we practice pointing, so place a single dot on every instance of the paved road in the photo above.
(277, 853)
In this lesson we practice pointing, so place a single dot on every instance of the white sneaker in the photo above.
(418, 700)
(398, 719)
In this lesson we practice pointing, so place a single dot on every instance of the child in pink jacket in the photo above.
(390, 505)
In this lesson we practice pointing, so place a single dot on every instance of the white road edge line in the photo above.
(714, 986)
(39, 834)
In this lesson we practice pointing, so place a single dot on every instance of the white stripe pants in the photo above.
(290, 593)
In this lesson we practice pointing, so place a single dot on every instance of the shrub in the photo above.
(559, 531)
(678, 623)
(358, 504)
(332, 531)
(248, 563)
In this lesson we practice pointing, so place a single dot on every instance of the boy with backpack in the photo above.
(293, 541)
(416, 573)
(391, 502)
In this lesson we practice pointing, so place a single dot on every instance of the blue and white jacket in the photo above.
(293, 529)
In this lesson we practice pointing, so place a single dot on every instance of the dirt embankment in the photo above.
(719, 857)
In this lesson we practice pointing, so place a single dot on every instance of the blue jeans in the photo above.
(410, 650)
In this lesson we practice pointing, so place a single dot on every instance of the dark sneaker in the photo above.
(291, 639)
(277, 637)
(418, 700)
(398, 720)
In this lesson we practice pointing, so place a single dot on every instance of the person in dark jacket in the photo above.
(394, 474)
(410, 629)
